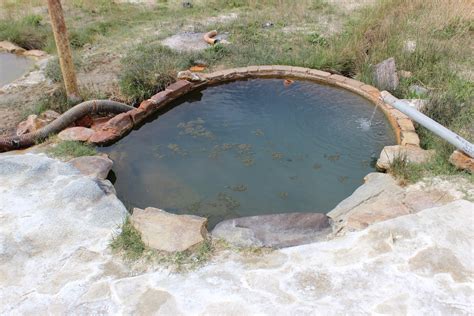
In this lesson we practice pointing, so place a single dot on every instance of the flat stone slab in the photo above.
(93, 166)
(412, 154)
(77, 133)
(169, 232)
(276, 230)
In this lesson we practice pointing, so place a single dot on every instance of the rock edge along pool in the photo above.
(251, 147)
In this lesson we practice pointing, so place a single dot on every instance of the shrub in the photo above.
(404, 171)
(80, 37)
(57, 101)
(128, 242)
(148, 69)
(28, 32)
(53, 69)
(72, 149)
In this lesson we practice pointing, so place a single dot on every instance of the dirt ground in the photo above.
(101, 59)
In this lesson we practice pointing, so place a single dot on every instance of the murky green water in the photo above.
(251, 147)
(12, 67)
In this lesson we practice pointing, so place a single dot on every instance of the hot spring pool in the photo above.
(12, 67)
(250, 148)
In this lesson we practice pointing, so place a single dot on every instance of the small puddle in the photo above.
(12, 67)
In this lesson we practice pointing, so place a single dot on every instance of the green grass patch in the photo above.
(53, 69)
(66, 149)
(29, 32)
(128, 242)
(129, 245)
(148, 69)
(404, 171)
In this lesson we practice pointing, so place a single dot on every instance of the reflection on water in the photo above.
(251, 147)
(12, 67)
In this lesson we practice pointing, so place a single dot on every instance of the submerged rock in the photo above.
(169, 232)
(93, 166)
(275, 230)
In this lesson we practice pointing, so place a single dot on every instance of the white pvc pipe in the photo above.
(446, 134)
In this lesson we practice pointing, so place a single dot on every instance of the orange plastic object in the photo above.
(197, 68)
(208, 37)
(287, 82)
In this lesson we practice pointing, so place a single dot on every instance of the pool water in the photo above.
(12, 67)
(251, 147)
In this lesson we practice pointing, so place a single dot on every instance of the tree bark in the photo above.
(64, 51)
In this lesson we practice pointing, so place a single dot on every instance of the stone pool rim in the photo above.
(121, 124)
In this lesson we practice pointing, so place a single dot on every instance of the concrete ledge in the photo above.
(401, 124)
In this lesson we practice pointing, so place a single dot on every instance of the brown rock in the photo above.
(179, 87)
(138, 115)
(410, 138)
(98, 124)
(406, 125)
(413, 154)
(49, 115)
(85, 121)
(190, 76)
(405, 74)
(10, 47)
(120, 123)
(149, 106)
(78, 133)
(379, 199)
(462, 161)
(376, 210)
(93, 166)
(35, 53)
(276, 230)
(385, 75)
(418, 200)
(35, 122)
(31, 124)
(102, 137)
(169, 232)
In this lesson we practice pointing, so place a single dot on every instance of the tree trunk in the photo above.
(64, 51)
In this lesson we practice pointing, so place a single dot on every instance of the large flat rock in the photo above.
(276, 230)
(381, 198)
(169, 232)
(412, 154)
(93, 166)
(56, 225)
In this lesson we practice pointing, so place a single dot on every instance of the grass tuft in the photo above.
(128, 242)
(29, 32)
(404, 171)
(148, 69)
(53, 69)
(66, 149)
(131, 247)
